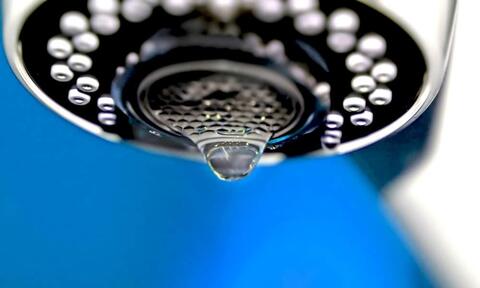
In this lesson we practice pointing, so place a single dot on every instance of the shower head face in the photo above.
(169, 75)
(203, 101)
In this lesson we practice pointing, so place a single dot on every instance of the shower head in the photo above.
(222, 80)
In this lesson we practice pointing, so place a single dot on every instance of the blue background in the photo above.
(76, 211)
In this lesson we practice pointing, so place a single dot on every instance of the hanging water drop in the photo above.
(233, 160)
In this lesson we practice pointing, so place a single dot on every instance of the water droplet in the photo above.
(232, 153)
(234, 159)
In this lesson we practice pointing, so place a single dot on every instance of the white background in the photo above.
(438, 203)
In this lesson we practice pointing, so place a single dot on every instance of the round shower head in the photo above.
(228, 81)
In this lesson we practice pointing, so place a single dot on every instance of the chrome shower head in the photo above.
(224, 80)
